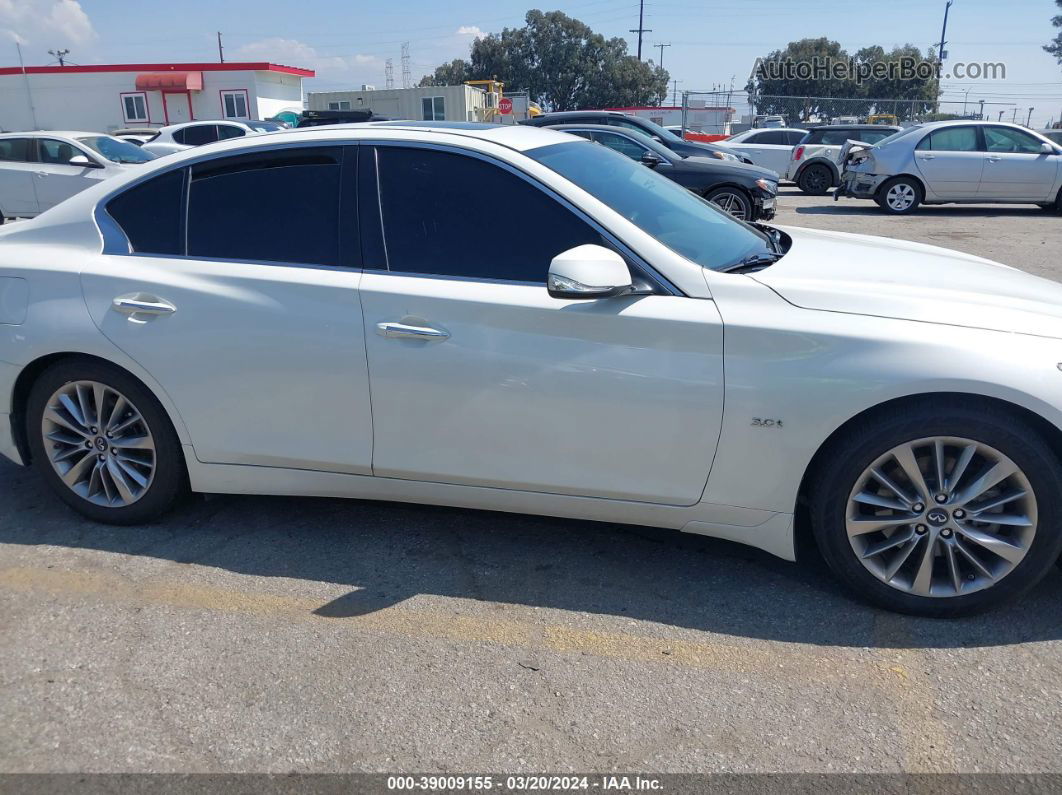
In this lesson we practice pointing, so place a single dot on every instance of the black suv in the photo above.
(644, 126)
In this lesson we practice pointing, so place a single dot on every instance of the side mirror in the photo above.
(588, 272)
(651, 160)
(1048, 149)
(82, 160)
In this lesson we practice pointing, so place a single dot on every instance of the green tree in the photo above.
(561, 63)
(1055, 47)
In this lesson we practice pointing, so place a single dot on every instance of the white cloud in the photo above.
(61, 23)
(471, 30)
(354, 69)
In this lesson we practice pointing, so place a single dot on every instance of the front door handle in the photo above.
(928, 157)
(402, 331)
(140, 304)
(994, 159)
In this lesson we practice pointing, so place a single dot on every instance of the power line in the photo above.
(406, 79)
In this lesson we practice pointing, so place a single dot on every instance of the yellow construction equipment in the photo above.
(882, 118)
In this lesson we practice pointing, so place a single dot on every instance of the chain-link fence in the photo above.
(721, 113)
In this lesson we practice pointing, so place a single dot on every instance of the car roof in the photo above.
(783, 129)
(55, 134)
(893, 127)
(520, 137)
(588, 113)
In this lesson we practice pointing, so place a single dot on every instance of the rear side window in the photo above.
(230, 131)
(197, 135)
(621, 143)
(951, 139)
(771, 137)
(281, 206)
(431, 202)
(833, 137)
(17, 150)
(793, 137)
(150, 214)
(872, 136)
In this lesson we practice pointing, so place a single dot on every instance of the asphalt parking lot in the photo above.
(268, 634)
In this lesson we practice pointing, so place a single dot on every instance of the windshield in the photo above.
(265, 126)
(682, 221)
(117, 150)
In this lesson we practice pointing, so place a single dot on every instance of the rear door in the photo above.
(768, 149)
(1015, 168)
(251, 320)
(18, 169)
(951, 161)
(56, 178)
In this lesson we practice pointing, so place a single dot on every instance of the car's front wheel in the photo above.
(103, 442)
(733, 201)
(940, 513)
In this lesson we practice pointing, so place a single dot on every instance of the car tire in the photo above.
(899, 196)
(103, 443)
(869, 563)
(815, 180)
(733, 201)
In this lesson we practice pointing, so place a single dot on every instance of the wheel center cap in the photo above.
(101, 444)
(937, 517)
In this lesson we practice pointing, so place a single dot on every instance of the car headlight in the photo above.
(767, 185)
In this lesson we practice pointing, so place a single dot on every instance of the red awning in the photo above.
(170, 81)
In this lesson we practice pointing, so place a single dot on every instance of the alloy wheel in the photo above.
(731, 203)
(941, 517)
(98, 443)
(900, 197)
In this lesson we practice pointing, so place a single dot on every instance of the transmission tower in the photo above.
(405, 65)
(389, 74)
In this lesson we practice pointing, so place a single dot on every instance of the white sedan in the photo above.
(624, 352)
(40, 169)
(178, 137)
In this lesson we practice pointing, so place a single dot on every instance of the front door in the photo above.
(480, 378)
(58, 180)
(951, 161)
(178, 106)
(1016, 168)
(256, 334)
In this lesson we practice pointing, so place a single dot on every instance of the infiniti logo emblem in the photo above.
(937, 517)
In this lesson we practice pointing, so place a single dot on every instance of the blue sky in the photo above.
(712, 42)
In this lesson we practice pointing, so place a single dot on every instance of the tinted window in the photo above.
(56, 153)
(951, 139)
(685, 223)
(18, 150)
(150, 214)
(276, 207)
(621, 143)
(117, 150)
(431, 202)
(793, 137)
(1006, 139)
(230, 131)
(834, 137)
(197, 135)
(771, 137)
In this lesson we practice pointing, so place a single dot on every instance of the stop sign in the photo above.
(505, 105)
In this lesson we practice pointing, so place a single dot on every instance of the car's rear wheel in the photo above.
(940, 513)
(103, 443)
(815, 180)
(733, 201)
(899, 196)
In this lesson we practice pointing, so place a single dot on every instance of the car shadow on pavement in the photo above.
(867, 207)
(390, 552)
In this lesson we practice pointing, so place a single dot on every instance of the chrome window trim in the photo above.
(647, 270)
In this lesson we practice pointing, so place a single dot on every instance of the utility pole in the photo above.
(1000, 117)
(1028, 121)
(661, 47)
(943, 33)
(641, 26)
(59, 55)
(965, 96)
(389, 74)
(25, 76)
(221, 50)
(1014, 117)
(674, 96)
(406, 75)
(981, 115)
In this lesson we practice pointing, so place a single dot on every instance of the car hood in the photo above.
(729, 167)
(865, 275)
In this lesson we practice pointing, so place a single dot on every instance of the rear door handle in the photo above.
(140, 304)
(402, 331)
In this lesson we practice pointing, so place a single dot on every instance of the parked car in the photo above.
(815, 164)
(768, 148)
(746, 192)
(40, 169)
(955, 161)
(136, 135)
(637, 357)
(766, 122)
(178, 137)
(1052, 135)
(669, 139)
(316, 118)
